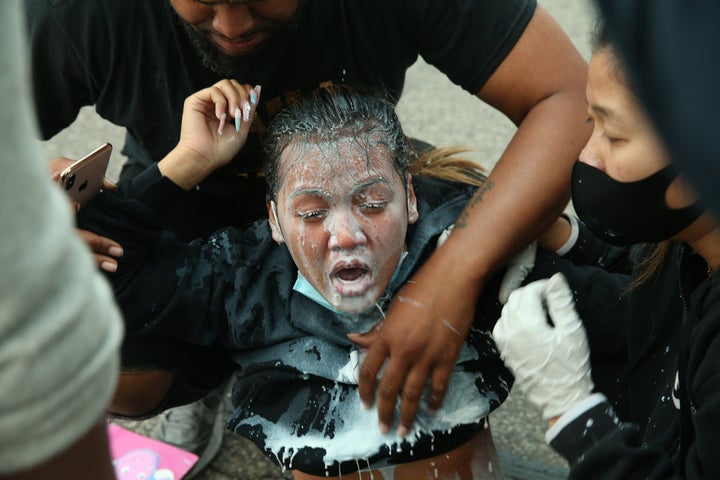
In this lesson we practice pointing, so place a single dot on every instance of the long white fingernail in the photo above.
(238, 114)
(246, 111)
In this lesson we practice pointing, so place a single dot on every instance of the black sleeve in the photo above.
(599, 446)
(165, 286)
(590, 250)
(61, 75)
(702, 380)
(466, 39)
(599, 300)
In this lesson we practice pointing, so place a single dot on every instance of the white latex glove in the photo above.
(517, 269)
(551, 364)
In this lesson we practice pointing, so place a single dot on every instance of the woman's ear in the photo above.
(274, 224)
(413, 214)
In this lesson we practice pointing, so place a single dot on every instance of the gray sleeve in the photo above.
(59, 326)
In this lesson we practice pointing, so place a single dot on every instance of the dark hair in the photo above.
(646, 268)
(602, 43)
(332, 113)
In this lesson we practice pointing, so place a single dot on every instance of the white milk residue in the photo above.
(351, 433)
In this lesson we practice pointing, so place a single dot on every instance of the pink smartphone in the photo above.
(83, 179)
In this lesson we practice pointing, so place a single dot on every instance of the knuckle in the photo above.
(411, 395)
(366, 373)
(386, 392)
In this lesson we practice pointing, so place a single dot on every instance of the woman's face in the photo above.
(343, 212)
(623, 143)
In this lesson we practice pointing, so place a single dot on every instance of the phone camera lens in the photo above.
(70, 182)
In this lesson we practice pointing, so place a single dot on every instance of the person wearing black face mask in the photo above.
(626, 192)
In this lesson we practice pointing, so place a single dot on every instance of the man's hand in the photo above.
(424, 330)
(551, 362)
(104, 250)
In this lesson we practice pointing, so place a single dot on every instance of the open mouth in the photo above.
(351, 279)
(350, 274)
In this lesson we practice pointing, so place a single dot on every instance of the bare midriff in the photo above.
(473, 460)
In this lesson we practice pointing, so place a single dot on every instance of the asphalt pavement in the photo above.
(439, 112)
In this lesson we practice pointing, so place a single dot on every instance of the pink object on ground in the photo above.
(136, 456)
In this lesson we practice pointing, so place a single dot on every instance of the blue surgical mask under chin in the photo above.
(303, 286)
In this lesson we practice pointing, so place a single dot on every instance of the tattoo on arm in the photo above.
(477, 198)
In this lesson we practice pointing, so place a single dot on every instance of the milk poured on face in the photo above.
(343, 212)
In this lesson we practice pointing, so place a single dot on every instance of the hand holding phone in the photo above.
(83, 179)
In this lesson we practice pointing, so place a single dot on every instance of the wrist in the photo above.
(557, 235)
(185, 167)
(553, 421)
(460, 258)
(460, 266)
(559, 422)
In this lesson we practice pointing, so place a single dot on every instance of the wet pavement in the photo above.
(440, 113)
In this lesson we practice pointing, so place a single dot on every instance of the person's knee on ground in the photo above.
(140, 393)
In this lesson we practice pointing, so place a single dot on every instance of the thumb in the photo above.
(517, 271)
(363, 339)
(561, 303)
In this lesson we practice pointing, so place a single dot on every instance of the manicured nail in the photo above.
(115, 251)
(402, 431)
(238, 114)
(253, 97)
(246, 111)
(108, 267)
(257, 90)
(384, 429)
(223, 117)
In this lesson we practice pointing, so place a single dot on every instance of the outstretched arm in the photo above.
(540, 87)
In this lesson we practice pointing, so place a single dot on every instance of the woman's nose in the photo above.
(591, 156)
(346, 234)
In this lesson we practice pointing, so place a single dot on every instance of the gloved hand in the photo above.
(551, 363)
(517, 270)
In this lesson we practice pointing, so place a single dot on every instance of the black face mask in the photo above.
(623, 213)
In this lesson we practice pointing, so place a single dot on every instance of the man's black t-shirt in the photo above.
(133, 60)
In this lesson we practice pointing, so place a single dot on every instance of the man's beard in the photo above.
(252, 68)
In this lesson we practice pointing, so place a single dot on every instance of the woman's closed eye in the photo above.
(373, 206)
(310, 215)
(612, 139)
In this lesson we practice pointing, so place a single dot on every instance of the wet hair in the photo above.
(367, 117)
(329, 114)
